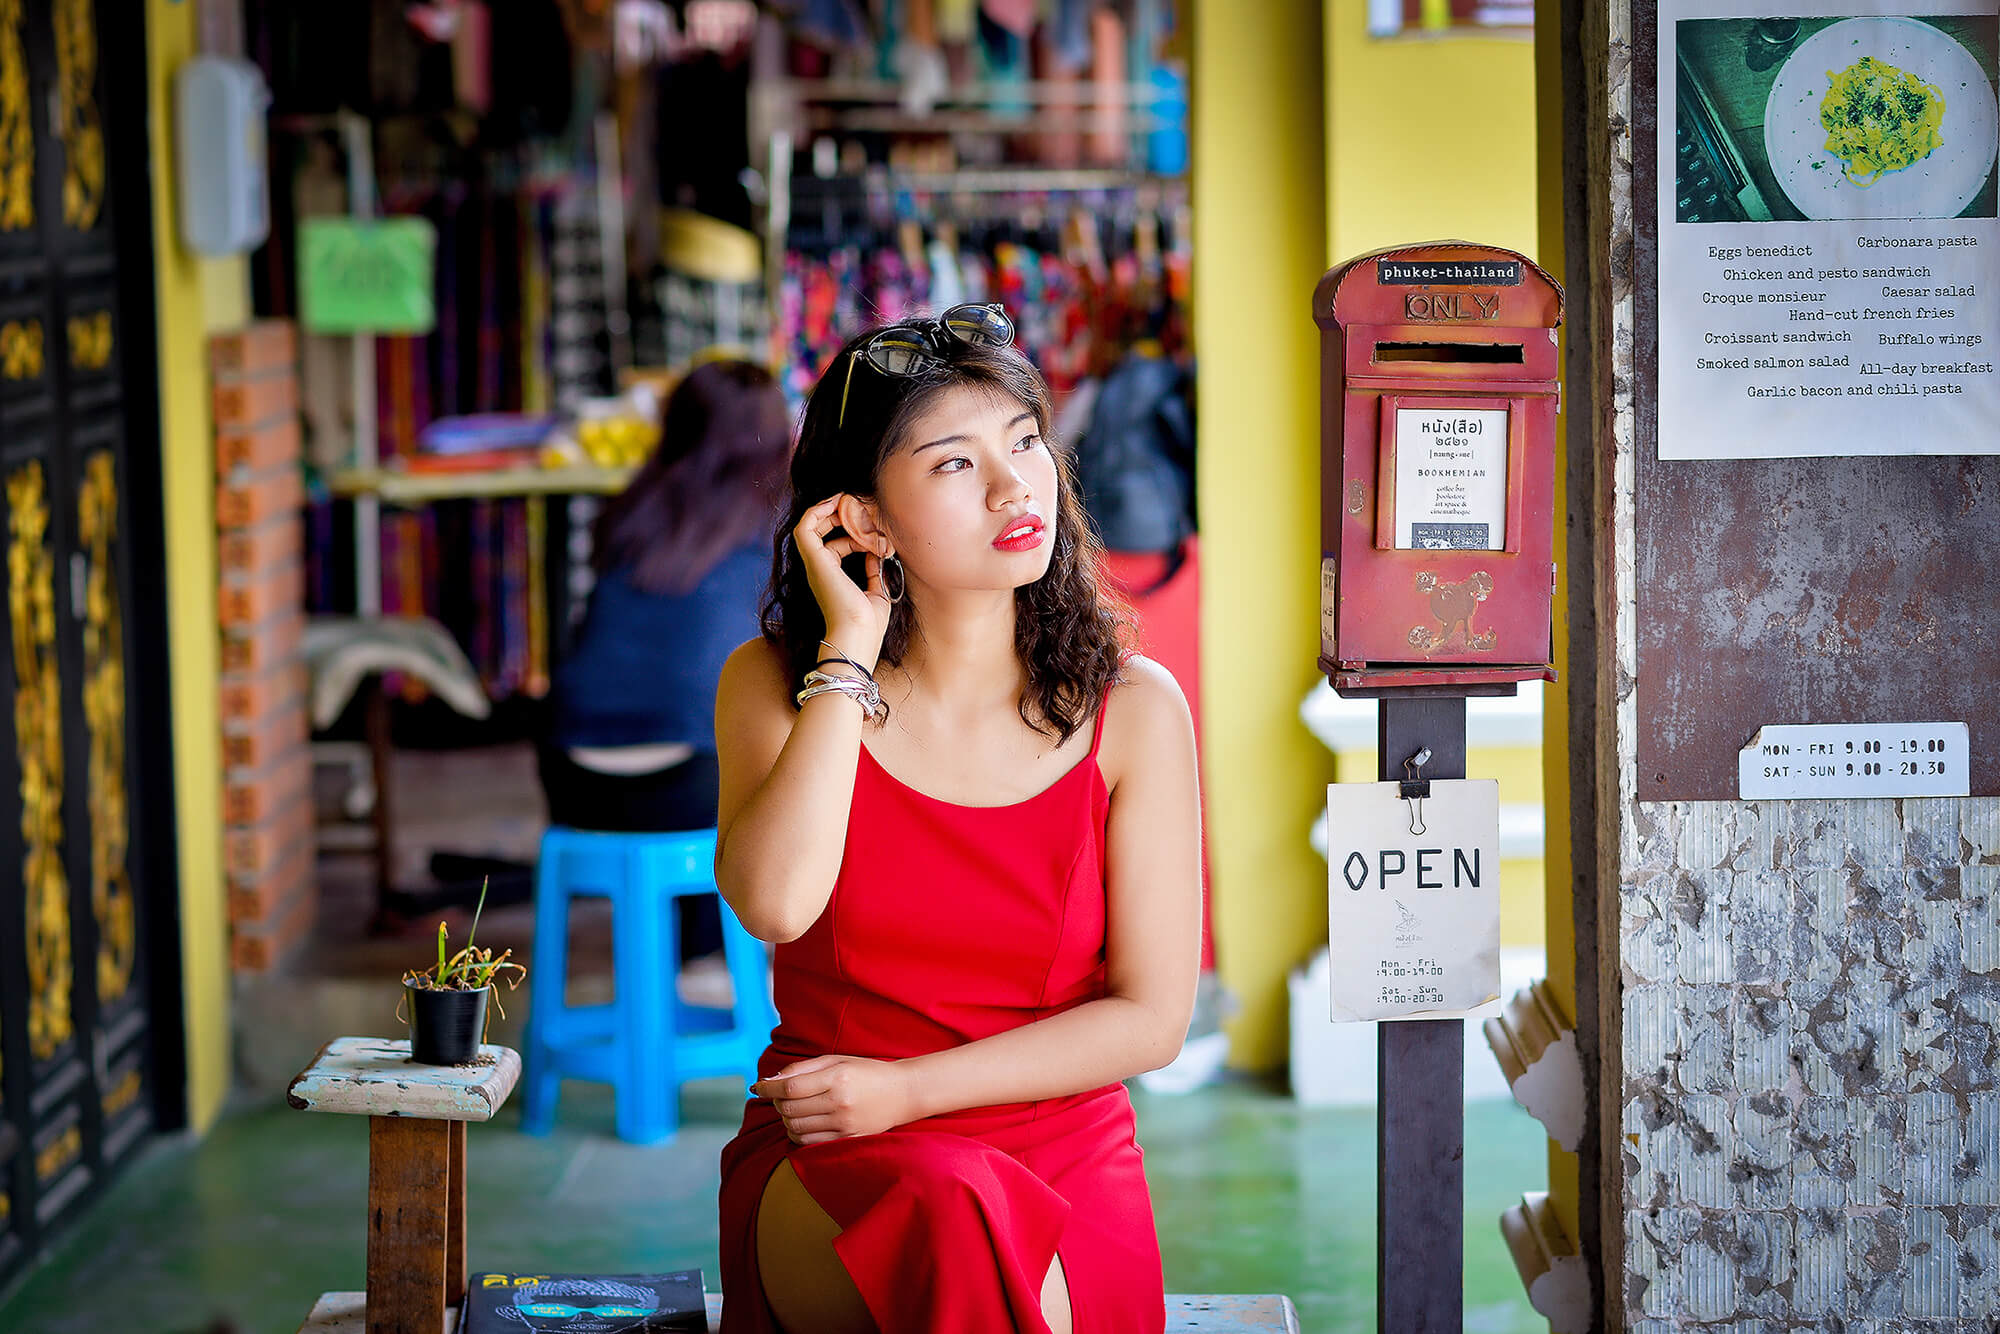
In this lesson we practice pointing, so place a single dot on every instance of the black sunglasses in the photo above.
(917, 346)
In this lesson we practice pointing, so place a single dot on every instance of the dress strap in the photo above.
(1097, 734)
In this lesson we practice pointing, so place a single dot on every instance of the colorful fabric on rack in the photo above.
(1075, 313)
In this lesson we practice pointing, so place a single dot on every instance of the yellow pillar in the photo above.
(185, 288)
(1259, 201)
(1561, 927)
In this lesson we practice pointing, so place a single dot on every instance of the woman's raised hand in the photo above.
(856, 620)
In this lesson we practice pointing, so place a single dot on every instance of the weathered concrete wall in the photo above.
(1809, 991)
(1811, 1122)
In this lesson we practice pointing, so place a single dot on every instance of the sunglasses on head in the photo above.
(917, 346)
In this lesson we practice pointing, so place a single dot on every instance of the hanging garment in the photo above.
(950, 1223)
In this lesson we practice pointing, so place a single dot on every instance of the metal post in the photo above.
(1420, 1092)
(357, 136)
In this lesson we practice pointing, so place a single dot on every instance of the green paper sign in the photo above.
(367, 275)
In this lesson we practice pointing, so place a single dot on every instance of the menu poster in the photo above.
(1829, 252)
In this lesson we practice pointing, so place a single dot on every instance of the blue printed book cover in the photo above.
(576, 1303)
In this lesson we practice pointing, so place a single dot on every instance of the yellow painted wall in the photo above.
(1427, 137)
(194, 298)
(1259, 199)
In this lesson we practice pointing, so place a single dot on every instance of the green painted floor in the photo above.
(1252, 1194)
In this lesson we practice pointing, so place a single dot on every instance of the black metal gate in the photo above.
(82, 879)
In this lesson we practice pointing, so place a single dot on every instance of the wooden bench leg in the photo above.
(454, 1231)
(409, 1194)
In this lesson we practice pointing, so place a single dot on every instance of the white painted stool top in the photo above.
(376, 1077)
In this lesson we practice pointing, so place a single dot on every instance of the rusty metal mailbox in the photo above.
(1438, 401)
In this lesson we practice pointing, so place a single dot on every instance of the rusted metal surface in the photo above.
(1812, 591)
(1450, 342)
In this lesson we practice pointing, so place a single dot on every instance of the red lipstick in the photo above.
(1022, 534)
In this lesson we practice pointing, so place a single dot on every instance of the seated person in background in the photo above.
(681, 556)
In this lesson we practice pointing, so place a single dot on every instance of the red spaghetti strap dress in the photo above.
(948, 924)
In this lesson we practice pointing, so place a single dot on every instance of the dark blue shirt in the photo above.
(644, 666)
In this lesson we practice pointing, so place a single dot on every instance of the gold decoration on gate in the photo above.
(121, 1095)
(59, 1153)
(17, 128)
(90, 340)
(78, 124)
(21, 349)
(104, 719)
(31, 607)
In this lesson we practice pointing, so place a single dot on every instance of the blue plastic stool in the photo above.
(647, 1041)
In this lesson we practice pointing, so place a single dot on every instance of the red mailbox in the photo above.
(1438, 401)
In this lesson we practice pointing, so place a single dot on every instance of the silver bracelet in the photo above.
(863, 692)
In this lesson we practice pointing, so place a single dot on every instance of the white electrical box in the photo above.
(220, 160)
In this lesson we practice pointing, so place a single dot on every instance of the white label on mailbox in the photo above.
(1413, 918)
(1451, 478)
(1801, 760)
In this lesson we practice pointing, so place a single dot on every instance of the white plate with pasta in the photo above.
(1881, 118)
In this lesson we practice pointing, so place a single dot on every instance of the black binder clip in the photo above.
(1415, 788)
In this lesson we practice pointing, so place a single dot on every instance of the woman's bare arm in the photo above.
(787, 781)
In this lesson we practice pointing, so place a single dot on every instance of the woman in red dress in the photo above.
(970, 823)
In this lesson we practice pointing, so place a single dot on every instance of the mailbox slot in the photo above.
(1484, 353)
(1523, 358)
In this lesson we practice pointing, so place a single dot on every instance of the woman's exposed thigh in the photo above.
(805, 1284)
(809, 1289)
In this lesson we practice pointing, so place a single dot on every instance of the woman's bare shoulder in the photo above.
(756, 674)
(1146, 719)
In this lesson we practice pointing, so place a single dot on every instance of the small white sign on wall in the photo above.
(1413, 899)
(1794, 761)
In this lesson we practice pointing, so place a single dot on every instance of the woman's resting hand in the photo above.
(833, 1097)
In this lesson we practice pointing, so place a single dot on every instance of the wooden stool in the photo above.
(416, 1172)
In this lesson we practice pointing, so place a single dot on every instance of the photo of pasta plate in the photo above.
(1881, 118)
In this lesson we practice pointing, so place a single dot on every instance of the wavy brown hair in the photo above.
(1068, 630)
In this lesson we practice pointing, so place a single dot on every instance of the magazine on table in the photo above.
(499, 1303)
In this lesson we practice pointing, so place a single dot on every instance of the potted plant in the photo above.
(448, 1001)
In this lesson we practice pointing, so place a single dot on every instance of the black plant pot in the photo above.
(445, 1025)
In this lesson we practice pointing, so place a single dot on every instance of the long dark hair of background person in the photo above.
(714, 483)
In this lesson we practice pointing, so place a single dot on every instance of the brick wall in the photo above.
(267, 766)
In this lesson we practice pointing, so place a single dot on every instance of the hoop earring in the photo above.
(902, 579)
